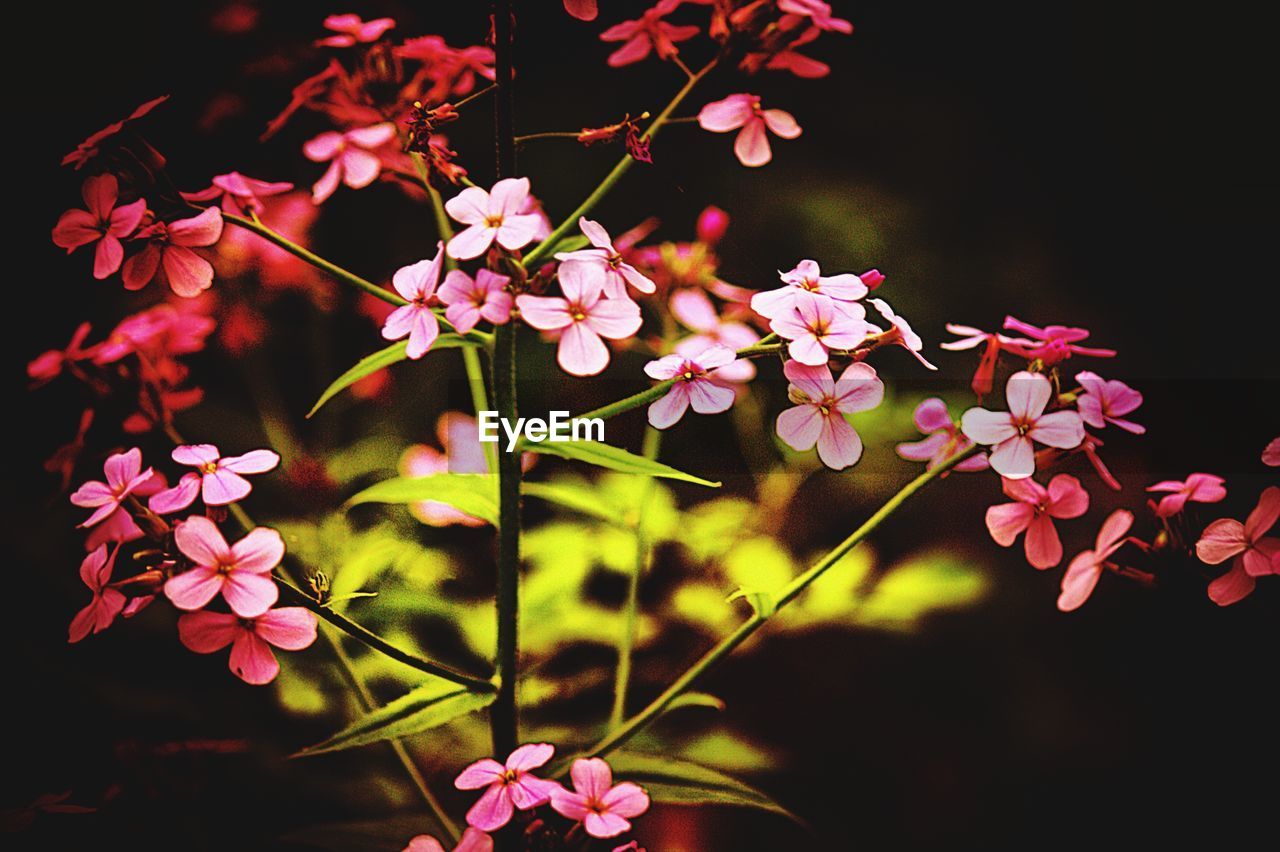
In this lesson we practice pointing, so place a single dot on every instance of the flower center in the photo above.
(809, 284)
(615, 260)
(511, 776)
(209, 467)
(493, 221)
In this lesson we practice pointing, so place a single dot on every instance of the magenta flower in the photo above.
(350, 157)
(1271, 455)
(818, 13)
(289, 628)
(845, 287)
(1106, 402)
(107, 603)
(470, 300)
(582, 316)
(218, 482)
(603, 808)
(241, 572)
(102, 223)
(351, 30)
(507, 788)
(744, 111)
(1033, 513)
(647, 33)
(818, 325)
(239, 193)
(498, 215)
(1198, 488)
(820, 406)
(1082, 574)
(617, 272)
(473, 840)
(693, 385)
(1013, 433)
(944, 438)
(1053, 343)
(169, 254)
(1253, 553)
(417, 284)
(125, 476)
(901, 332)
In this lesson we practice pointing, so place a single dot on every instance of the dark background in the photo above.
(1107, 165)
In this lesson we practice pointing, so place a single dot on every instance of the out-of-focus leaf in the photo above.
(728, 752)
(683, 782)
(925, 583)
(709, 529)
(375, 454)
(695, 699)
(613, 458)
(758, 564)
(836, 594)
(703, 604)
(383, 358)
(473, 493)
(579, 499)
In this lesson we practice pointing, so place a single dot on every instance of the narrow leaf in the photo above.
(379, 360)
(576, 498)
(683, 782)
(613, 458)
(473, 493)
(428, 706)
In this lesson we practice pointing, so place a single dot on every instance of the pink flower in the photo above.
(124, 475)
(583, 10)
(495, 216)
(693, 385)
(944, 438)
(1271, 455)
(350, 157)
(582, 317)
(694, 310)
(1106, 402)
(818, 13)
(239, 193)
(970, 338)
(646, 33)
(106, 604)
(807, 277)
(102, 223)
(1013, 433)
(1053, 343)
(168, 253)
(473, 840)
(352, 30)
(417, 284)
(1033, 513)
(462, 453)
(241, 572)
(1198, 488)
(744, 111)
(219, 481)
(1082, 574)
(603, 808)
(49, 365)
(470, 300)
(617, 272)
(88, 149)
(290, 628)
(818, 325)
(901, 332)
(507, 787)
(820, 406)
(1253, 554)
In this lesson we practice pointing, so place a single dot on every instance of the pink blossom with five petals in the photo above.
(820, 406)
(1253, 553)
(1013, 433)
(350, 156)
(1033, 512)
(289, 628)
(604, 808)
(1198, 488)
(499, 215)
(103, 223)
(1082, 574)
(240, 572)
(507, 788)
(617, 272)
(219, 481)
(582, 316)
(693, 385)
(744, 111)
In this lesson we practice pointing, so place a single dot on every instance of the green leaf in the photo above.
(428, 706)
(577, 498)
(473, 493)
(613, 458)
(683, 782)
(379, 360)
(572, 243)
(762, 602)
(695, 699)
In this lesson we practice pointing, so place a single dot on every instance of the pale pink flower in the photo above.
(102, 223)
(582, 316)
(744, 111)
(289, 628)
(494, 216)
(693, 385)
(351, 30)
(417, 284)
(647, 33)
(694, 310)
(1033, 513)
(820, 406)
(1106, 402)
(507, 788)
(240, 572)
(818, 325)
(124, 476)
(470, 300)
(169, 254)
(1198, 488)
(845, 287)
(350, 156)
(1013, 433)
(1253, 553)
(818, 13)
(219, 480)
(107, 603)
(473, 840)
(460, 453)
(1082, 574)
(617, 272)
(604, 808)
(239, 193)
(901, 333)
(944, 438)
(1271, 455)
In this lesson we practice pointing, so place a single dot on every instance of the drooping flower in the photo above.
(820, 406)
(88, 149)
(604, 808)
(124, 476)
(647, 33)
(818, 13)
(351, 30)
(944, 438)
(49, 365)
(417, 284)
(817, 326)
(1082, 574)
(470, 300)
(807, 277)
(1013, 433)
(472, 840)
(101, 223)
(1271, 455)
(494, 216)
(1198, 488)
(289, 628)
(350, 156)
(744, 111)
(1033, 512)
(617, 272)
(507, 788)
(240, 572)
(219, 480)
(1053, 343)
(693, 385)
(901, 332)
(1106, 402)
(582, 316)
(169, 253)
(460, 452)
(107, 603)
(1253, 553)
(239, 193)
(970, 338)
